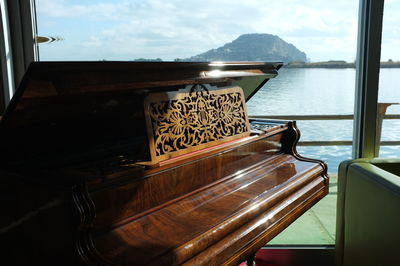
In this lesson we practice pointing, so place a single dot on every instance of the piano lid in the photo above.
(70, 106)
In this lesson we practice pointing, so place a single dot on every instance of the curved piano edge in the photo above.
(267, 226)
(292, 148)
(85, 211)
(283, 222)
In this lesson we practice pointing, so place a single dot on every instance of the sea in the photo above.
(324, 91)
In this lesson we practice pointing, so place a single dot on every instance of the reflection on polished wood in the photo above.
(79, 185)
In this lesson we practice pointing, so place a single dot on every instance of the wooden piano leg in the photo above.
(250, 260)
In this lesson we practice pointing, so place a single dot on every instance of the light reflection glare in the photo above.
(189, 246)
(244, 186)
(239, 172)
(214, 73)
(217, 63)
(255, 207)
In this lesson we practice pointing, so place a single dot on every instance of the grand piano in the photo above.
(138, 163)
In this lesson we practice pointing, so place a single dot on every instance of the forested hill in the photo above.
(254, 47)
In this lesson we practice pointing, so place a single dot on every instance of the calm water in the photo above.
(326, 91)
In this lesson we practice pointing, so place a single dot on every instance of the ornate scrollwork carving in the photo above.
(181, 122)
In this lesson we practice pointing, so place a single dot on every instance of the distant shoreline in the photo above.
(337, 64)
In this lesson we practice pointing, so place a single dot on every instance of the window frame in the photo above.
(367, 78)
(17, 44)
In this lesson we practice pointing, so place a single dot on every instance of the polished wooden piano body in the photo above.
(79, 184)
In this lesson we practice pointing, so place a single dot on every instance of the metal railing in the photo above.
(382, 107)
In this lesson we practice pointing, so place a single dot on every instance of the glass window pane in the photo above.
(389, 91)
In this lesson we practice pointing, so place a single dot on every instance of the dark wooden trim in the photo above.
(309, 255)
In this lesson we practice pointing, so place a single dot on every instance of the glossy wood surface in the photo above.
(203, 219)
(216, 209)
(245, 196)
(77, 190)
(137, 197)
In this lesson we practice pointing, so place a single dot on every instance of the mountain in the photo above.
(254, 47)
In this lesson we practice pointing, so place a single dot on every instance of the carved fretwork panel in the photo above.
(190, 120)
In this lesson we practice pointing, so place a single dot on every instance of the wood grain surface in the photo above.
(77, 189)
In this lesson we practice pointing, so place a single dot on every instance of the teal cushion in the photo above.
(368, 219)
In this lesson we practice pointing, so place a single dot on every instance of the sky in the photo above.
(169, 29)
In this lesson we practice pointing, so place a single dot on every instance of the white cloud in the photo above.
(178, 28)
(63, 9)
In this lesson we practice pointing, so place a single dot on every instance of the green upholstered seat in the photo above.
(368, 212)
